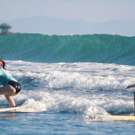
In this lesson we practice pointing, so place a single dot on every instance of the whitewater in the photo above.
(65, 97)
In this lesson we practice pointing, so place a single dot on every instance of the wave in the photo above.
(94, 108)
(75, 87)
(88, 77)
(75, 48)
(90, 90)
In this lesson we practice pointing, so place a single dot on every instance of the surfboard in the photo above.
(17, 109)
(122, 118)
(22, 108)
(103, 118)
(13, 109)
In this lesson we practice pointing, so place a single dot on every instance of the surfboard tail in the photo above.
(122, 118)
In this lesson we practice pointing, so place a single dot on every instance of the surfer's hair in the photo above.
(3, 63)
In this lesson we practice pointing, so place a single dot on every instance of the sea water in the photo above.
(69, 98)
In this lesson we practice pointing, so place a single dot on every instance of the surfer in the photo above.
(9, 85)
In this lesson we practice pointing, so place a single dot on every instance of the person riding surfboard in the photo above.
(9, 86)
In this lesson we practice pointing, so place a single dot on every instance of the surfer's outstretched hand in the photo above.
(130, 86)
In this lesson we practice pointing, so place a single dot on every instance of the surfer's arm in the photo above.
(130, 86)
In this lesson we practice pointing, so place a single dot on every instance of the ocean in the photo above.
(68, 83)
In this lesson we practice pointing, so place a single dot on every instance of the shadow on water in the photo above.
(7, 116)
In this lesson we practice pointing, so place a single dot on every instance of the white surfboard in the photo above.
(13, 109)
(114, 118)
(17, 109)
(23, 108)
(122, 118)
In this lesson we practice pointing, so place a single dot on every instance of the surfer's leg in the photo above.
(8, 91)
(11, 101)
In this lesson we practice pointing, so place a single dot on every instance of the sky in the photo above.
(75, 16)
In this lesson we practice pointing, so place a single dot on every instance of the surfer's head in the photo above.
(2, 63)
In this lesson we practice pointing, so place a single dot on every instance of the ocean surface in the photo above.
(70, 84)
(69, 98)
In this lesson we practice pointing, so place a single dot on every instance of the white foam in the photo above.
(79, 77)
(56, 102)
(76, 75)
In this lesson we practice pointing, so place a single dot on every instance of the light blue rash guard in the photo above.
(5, 77)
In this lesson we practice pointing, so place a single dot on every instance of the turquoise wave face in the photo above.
(76, 48)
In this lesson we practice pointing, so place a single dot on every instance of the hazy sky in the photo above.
(94, 11)
(89, 10)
